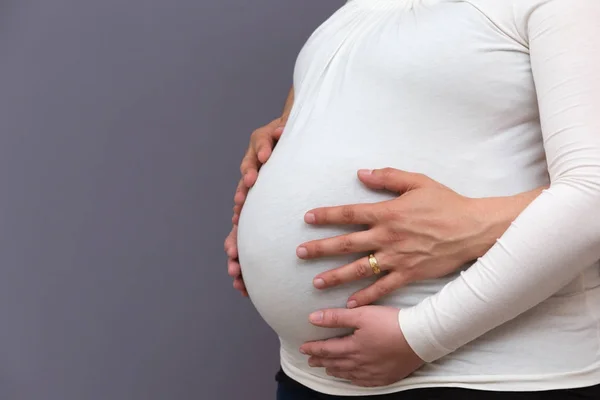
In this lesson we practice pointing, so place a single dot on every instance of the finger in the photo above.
(356, 242)
(233, 268)
(250, 160)
(347, 375)
(382, 287)
(232, 251)
(356, 270)
(227, 242)
(235, 219)
(278, 131)
(336, 318)
(355, 214)
(240, 193)
(238, 284)
(393, 180)
(250, 178)
(231, 243)
(330, 348)
(339, 364)
(263, 146)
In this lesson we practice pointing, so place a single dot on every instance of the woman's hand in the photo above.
(261, 146)
(233, 266)
(427, 232)
(262, 142)
(376, 354)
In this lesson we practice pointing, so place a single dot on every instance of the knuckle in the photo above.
(255, 133)
(261, 143)
(346, 245)
(316, 250)
(387, 172)
(393, 236)
(362, 270)
(386, 213)
(323, 352)
(348, 213)
(247, 163)
(334, 317)
(373, 215)
(382, 290)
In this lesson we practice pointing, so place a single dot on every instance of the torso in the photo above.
(437, 87)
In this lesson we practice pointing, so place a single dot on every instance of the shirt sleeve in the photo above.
(558, 236)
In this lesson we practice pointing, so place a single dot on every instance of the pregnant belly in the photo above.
(271, 227)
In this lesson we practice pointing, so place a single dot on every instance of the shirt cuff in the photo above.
(417, 332)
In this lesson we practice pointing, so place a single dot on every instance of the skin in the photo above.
(262, 142)
(428, 231)
(360, 357)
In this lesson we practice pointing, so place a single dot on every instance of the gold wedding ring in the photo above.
(374, 264)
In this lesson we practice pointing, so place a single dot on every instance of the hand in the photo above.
(376, 354)
(427, 232)
(262, 142)
(261, 145)
(233, 266)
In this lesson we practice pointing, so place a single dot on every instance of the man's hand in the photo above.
(376, 354)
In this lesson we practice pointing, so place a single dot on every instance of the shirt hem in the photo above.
(589, 376)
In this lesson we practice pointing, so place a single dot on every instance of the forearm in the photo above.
(493, 216)
(556, 237)
(553, 240)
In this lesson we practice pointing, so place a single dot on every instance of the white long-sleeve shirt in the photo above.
(489, 97)
(557, 238)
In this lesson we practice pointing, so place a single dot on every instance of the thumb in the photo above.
(336, 318)
(393, 180)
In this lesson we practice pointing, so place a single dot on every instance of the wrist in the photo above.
(493, 216)
(417, 335)
(491, 221)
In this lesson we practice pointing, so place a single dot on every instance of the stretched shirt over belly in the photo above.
(436, 87)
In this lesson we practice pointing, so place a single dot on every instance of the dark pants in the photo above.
(288, 389)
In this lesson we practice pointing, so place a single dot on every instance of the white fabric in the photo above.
(489, 97)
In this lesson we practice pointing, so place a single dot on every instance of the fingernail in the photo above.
(352, 304)
(302, 252)
(316, 317)
(365, 172)
(302, 351)
(319, 283)
(309, 218)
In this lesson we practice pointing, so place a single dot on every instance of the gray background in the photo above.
(122, 124)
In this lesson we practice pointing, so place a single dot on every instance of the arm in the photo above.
(558, 235)
(493, 216)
